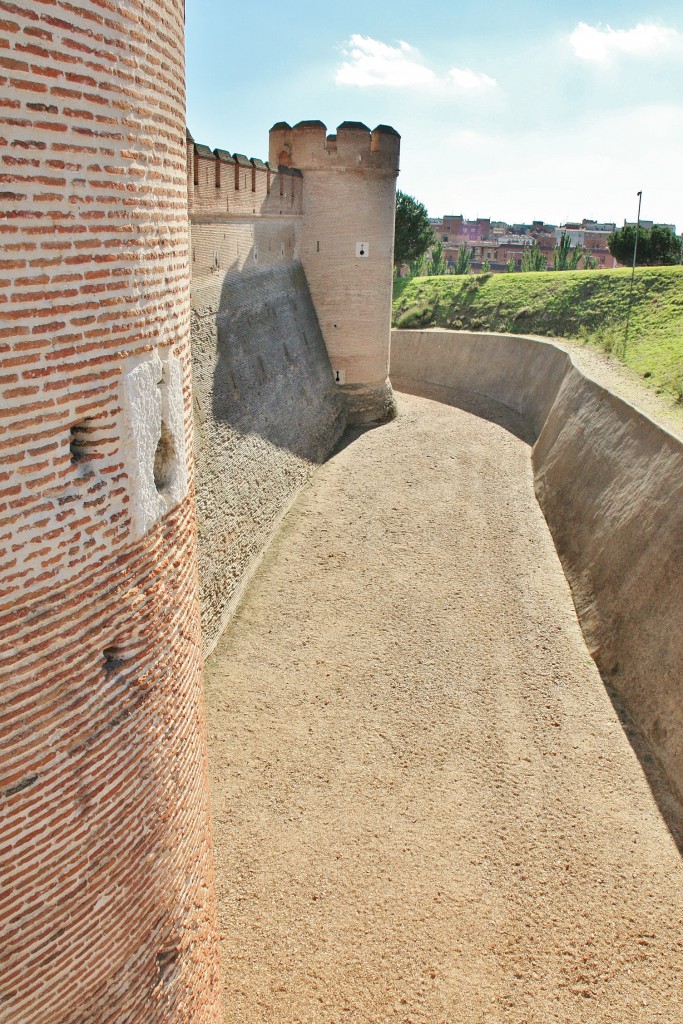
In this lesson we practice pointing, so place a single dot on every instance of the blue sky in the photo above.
(519, 110)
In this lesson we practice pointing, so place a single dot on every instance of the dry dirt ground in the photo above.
(425, 808)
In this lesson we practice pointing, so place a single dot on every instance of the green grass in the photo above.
(585, 306)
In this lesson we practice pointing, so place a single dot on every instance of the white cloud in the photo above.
(601, 44)
(464, 78)
(370, 62)
(466, 137)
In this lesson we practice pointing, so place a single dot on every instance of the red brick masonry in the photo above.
(106, 894)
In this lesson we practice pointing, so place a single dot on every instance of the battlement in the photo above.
(220, 182)
(352, 148)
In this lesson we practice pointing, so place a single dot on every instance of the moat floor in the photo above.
(425, 808)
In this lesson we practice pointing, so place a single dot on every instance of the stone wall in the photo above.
(267, 409)
(279, 370)
(106, 907)
(610, 483)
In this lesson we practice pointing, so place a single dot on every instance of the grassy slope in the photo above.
(586, 306)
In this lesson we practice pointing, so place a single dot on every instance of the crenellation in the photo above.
(387, 141)
(221, 183)
(353, 147)
(353, 144)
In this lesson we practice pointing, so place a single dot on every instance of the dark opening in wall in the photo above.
(164, 459)
(114, 658)
(81, 442)
(167, 958)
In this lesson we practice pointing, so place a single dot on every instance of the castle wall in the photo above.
(610, 483)
(267, 409)
(278, 369)
(106, 905)
(220, 184)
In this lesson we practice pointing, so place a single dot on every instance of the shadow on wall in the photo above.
(267, 412)
(272, 374)
(472, 402)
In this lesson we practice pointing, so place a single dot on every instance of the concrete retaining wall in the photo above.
(267, 410)
(610, 483)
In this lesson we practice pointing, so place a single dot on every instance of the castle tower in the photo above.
(107, 908)
(347, 249)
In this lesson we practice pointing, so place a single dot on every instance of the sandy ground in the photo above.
(425, 808)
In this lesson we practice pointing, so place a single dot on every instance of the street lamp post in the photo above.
(633, 272)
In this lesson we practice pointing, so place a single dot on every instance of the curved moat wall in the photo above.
(610, 483)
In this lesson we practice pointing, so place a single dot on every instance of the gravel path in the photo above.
(425, 809)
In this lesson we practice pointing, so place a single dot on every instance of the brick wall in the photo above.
(347, 249)
(221, 183)
(106, 900)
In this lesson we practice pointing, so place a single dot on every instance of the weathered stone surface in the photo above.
(367, 404)
(267, 412)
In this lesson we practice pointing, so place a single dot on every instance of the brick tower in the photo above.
(107, 910)
(347, 249)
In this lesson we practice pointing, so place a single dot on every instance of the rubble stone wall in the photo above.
(267, 409)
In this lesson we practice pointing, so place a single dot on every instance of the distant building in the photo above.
(592, 237)
(454, 229)
(649, 224)
(497, 243)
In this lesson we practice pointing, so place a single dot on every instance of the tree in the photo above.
(464, 264)
(621, 244)
(665, 247)
(437, 266)
(413, 233)
(486, 267)
(418, 268)
(657, 246)
(564, 257)
(533, 258)
(510, 266)
(589, 261)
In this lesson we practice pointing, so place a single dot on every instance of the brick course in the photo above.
(106, 904)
